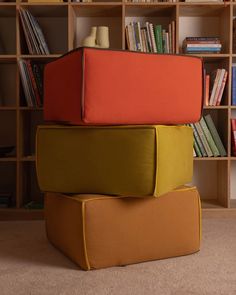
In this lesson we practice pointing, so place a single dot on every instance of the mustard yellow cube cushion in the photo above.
(97, 231)
(130, 160)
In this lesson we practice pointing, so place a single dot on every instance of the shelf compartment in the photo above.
(8, 30)
(8, 130)
(8, 180)
(211, 179)
(83, 17)
(212, 64)
(220, 119)
(29, 189)
(28, 126)
(205, 21)
(8, 73)
(53, 20)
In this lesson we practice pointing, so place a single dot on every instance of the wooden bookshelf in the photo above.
(65, 25)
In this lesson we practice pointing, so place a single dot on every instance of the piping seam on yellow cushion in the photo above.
(84, 238)
(156, 165)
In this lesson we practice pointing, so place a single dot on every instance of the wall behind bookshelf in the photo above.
(65, 25)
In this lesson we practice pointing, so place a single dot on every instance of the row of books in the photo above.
(202, 45)
(207, 142)
(150, 38)
(31, 74)
(214, 87)
(34, 36)
(233, 136)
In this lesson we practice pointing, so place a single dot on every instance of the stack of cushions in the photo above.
(101, 181)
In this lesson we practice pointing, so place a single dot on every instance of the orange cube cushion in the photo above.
(101, 86)
(97, 231)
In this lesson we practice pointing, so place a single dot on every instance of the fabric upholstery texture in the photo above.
(97, 231)
(98, 86)
(118, 160)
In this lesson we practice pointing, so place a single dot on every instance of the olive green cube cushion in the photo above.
(130, 160)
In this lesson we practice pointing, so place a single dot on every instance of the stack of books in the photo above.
(34, 37)
(31, 74)
(207, 142)
(202, 45)
(214, 87)
(234, 85)
(150, 38)
(5, 199)
(233, 136)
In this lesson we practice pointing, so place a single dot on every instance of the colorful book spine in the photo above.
(215, 135)
(203, 139)
(198, 140)
(209, 138)
(158, 36)
(207, 89)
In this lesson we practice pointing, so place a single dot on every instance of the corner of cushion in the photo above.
(84, 236)
(200, 216)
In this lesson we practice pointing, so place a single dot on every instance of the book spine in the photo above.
(170, 38)
(137, 37)
(234, 85)
(149, 37)
(127, 38)
(215, 135)
(209, 138)
(158, 35)
(38, 74)
(220, 80)
(198, 141)
(207, 89)
(203, 139)
(203, 45)
(214, 87)
(153, 38)
(173, 36)
(34, 85)
(202, 39)
(222, 89)
(140, 37)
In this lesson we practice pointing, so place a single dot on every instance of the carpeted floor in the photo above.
(29, 265)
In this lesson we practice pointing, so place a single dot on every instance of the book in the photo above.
(158, 37)
(215, 135)
(222, 87)
(207, 89)
(34, 36)
(233, 136)
(209, 138)
(214, 78)
(198, 140)
(203, 139)
(218, 86)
